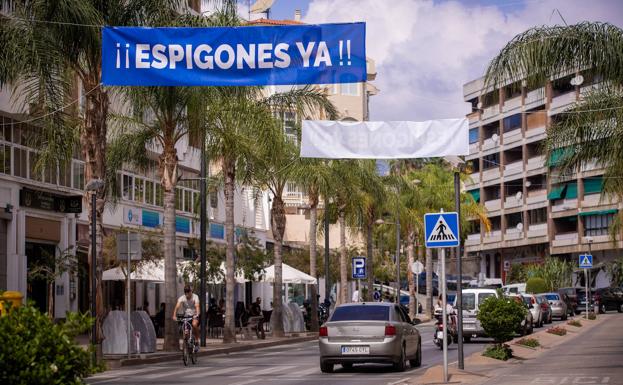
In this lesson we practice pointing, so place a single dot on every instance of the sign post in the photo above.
(133, 251)
(586, 262)
(359, 272)
(417, 267)
(441, 231)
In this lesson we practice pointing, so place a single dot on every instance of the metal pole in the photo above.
(202, 242)
(588, 285)
(93, 274)
(459, 286)
(127, 306)
(327, 287)
(417, 292)
(397, 247)
(444, 314)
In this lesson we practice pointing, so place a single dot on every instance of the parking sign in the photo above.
(359, 267)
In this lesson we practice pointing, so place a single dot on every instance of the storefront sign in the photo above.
(132, 216)
(44, 200)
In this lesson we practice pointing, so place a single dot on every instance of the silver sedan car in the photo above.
(559, 307)
(374, 332)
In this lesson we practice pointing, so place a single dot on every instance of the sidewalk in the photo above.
(213, 347)
(593, 358)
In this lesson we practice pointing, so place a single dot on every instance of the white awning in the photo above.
(289, 275)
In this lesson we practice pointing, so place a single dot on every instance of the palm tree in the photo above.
(162, 117)
(593, 127)
(49, 50)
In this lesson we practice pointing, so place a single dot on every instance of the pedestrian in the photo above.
(355, 296)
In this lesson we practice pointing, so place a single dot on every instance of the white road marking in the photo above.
(399, 381)
(245, 382)
(173, 372)
(302, 373)
(208, 372)
(274, 369)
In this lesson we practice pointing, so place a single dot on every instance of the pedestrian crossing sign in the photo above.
(586, 261)
(441, 230)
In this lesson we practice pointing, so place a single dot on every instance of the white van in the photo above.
(514, 289)
(472, 298)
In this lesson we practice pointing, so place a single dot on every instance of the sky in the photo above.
(425, 50)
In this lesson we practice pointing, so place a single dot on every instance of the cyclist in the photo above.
(188, 304)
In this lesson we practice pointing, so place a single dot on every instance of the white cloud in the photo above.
(425, 51)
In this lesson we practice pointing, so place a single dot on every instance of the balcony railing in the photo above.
(513, 168)
(512, 201)
(491, 174)
(536, 196)
(490, 112)
(565, 204)
(593, 200)
(537, 230)
(535, 163)
(489, 143)
(512, 136)
(512, 234)
(563, 100)
(493, 205)
(472, 239)
(535, 98)
(512, 104)
(474, 147)
(493, 236)
(565, 239)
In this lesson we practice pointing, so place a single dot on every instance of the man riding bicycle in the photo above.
(188, 305)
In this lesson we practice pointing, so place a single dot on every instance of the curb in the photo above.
(164, 357)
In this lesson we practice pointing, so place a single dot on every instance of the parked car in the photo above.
(535, 309)
(378, 332)
(559, 307)
(582, 301)
(609, 298)
(546, 309)
(514, 288)
(472, 298)
(570, 296)
(527, 325)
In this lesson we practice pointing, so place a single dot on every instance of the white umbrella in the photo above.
(289, 275)
(239, 277)
(149, 271)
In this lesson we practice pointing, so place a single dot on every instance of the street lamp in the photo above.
(94, 186)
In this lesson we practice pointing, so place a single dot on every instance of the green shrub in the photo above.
(34, 350)
(530, 342)
(592, 315)
(536, 285)
(499, 352)
(500, 318)
(557, 330)
(575, 323)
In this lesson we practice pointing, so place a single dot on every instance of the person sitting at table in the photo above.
(256, 308)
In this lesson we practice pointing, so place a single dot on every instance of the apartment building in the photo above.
(534, 210)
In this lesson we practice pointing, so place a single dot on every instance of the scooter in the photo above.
(438, 336)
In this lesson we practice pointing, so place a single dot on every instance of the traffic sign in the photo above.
(359, 267)
(507, 265)
(417, 267)
(585, 261)
(442, 230)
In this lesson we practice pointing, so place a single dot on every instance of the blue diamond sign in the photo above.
(441, 230)
(585, 261)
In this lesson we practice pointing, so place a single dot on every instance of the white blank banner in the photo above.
(384, 140)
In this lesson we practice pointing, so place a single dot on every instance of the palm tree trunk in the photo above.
(278, 218)
(171, 338)
(313, 260)
(411, 260)
(229, 331)
(370, 261)
(429, 282)
(93, 143)
(343, 265)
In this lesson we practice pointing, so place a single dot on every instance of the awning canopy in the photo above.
(559, 155)
(475, 194)
(572, 190)
(289, 275)
(557, 192)
(593, 185)
(154, 272)
(600, 212)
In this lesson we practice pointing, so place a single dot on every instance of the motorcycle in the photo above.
(452, 330)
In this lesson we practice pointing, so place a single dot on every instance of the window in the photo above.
(552, 297)
(537, 216)
(6, 125)
(188, 201)
(179, 199)
(149, 192)
(20, 162)
(483, 297)
(469, 301)
(473, 135)
(597, 224)
(159, 195)
(64, 175)
(562, 86)
(50, 174)
(32, 159)
(138, 190)
(491, 161)
(350, 89)
(361, 313)
(5, 159)
(128, 186)
(214, 199)
(78, 175)
(196, 207)
(512, 122)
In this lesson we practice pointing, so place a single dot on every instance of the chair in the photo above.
(215, 324)
(267, 314)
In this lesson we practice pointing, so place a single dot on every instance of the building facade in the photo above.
(534, 211)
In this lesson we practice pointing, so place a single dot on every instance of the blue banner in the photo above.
(234, 56)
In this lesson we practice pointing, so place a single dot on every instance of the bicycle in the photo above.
(188, 349)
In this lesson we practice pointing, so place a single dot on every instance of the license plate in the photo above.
(469, 326)
(356, 350)
(439, 335)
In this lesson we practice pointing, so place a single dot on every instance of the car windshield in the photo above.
(361, 313)
(527, 300)
(483, 296)
(552, 297)
(469, 301)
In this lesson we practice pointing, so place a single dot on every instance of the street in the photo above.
(289, 364)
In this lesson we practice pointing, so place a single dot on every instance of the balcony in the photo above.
(593, 200)
(493, 236)
(565, 204)
(294, 198)
(472, 239)
(537, 230)
(474, 148)
(536, 196)
(512, 104)
(589, 166)
(512, 136)
(513, 168)
(565, 239)
(473, 118)
(474, 181)
(513, 234)
(535, 163)
(562, 101)
(535, 98)
(512, 202)
(489, 144)
(491, 174)
(493, 205)
(490, 112)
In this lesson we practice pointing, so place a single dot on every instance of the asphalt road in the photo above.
(280, 365)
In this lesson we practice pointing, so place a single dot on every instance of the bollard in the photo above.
(10, 299)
